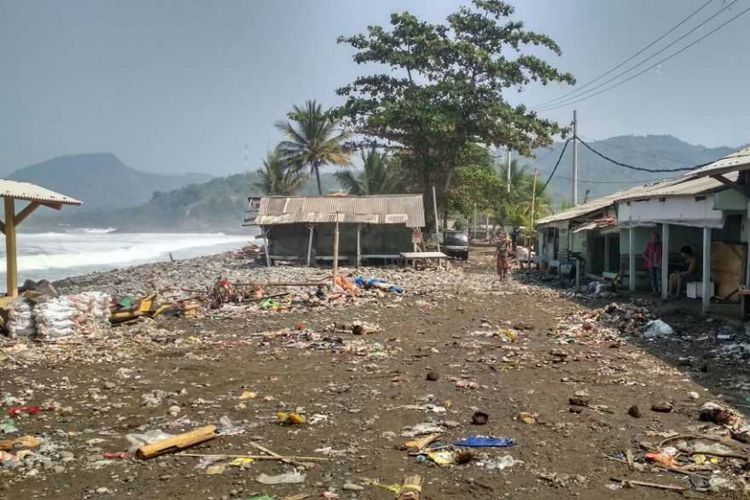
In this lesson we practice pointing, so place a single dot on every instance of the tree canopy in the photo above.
(313, 138)
(444, 87)
(379, 176)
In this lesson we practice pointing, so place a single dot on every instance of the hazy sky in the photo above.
(182, 85)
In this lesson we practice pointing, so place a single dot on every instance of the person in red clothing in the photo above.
(652, 256)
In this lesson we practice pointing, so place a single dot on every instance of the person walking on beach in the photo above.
(652, 256)
(502, 256)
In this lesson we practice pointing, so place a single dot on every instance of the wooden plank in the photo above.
(27, 210)
(179, 442)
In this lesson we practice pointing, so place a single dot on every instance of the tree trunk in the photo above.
(317, 178)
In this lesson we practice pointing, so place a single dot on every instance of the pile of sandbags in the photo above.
(81, 314)
(21, 321)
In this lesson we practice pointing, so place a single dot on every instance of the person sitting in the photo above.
(681, 278)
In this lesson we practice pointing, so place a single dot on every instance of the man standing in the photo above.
(502, 257)
(652, 256)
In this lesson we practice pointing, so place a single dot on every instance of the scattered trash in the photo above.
(486, 442)
(657, 328)
(286, 478)
(248, 395)
(19, 443)
(527, 417)
(175, 443)
(291, 418)
(499, 463)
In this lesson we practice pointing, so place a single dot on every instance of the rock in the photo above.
(693, 395)
(662, 407)
(527, 418)
(480, 418)
(174, 410)
(433, 376)
(634, 411)
(579, 401)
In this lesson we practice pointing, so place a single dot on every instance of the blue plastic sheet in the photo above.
(486, 442)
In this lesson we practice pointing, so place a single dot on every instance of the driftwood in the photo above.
(281, 458)
(179, 442)
(254, 457)
(633, 482)
(411, 488)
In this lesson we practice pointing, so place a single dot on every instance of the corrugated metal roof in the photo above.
(739, 160)
(680, 186)
(405, 209)
(683, 186)
(586, 208)
(596, 224)
(32, 192)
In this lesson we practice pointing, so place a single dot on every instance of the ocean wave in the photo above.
(87, 250)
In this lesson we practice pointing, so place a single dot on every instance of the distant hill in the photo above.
(101, 180)
(600, 177)
(216, 205)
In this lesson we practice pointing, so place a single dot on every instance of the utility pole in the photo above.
(437, 225)
(575, 158)
(533, 201)
(507, 173)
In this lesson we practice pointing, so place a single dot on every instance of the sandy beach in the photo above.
(456, 342)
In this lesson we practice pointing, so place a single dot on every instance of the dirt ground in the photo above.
(363, 402)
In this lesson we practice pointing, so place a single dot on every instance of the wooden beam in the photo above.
(27, 210)
(742, 188)
(310, 244)
(631, 260)
(11, 268)
(706, 269)
(665, 261)
(359, 248)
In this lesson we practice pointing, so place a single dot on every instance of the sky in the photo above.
(194, 86)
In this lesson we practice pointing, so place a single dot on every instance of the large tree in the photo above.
(313, 139)
(444, 87)
(278, 177)
(379, 176)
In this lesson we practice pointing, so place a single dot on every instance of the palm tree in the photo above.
(277, 177)
(378, 176)
(313, 139)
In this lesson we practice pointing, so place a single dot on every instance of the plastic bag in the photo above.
(138, 440)
(657, 328)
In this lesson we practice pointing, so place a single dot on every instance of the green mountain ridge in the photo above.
(101, 180)
(598, 177)
(220, 203)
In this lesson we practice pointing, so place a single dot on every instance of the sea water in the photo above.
(58, 255)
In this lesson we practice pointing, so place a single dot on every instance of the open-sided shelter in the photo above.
(36, 196)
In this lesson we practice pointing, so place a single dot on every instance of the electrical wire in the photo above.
(641, 169)
(624, 62)
(557, 164)
(661, 61)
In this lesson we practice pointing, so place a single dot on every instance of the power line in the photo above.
(641, 169)
(661, 61)
(557, 164)
(622, 63)
(644, 153)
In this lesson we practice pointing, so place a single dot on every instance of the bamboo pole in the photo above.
(359, 247)
(335, 251)
(310, 245)
(11, 266)
(179, 442)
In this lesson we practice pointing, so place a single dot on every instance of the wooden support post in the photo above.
(11, 267)
(706, 269)
(665, 261)
(335, 251)
(310, 244)
(607, 241)
(23, 214)
(747, 250)
(631, 260)
(359, 248)
(265, 246)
